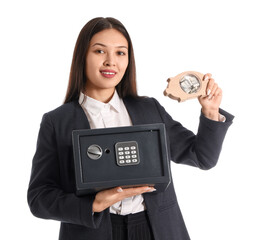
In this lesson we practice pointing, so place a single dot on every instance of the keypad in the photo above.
(127, 153)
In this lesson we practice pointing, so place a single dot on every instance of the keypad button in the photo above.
(122, 161)
(127, 157)
(134, 160)
(127, 152)
(128, 161)
(126, 148)
(120, 149)
(133, 147)
(121, 157)
(134, 156)
(121, 153)
(133, 152)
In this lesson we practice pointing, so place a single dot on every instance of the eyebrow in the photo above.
(103, 45)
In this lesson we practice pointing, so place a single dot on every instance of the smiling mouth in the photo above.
(108, 74)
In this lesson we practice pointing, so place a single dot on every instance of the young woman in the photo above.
(102, 93)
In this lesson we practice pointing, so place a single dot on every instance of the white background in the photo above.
(221, 37)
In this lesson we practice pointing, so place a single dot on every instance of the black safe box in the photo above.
(121, 156)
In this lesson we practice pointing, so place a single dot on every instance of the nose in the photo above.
(110, 60)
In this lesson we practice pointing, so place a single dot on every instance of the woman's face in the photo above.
(106, 60)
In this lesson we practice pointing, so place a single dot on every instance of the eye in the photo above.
(99, 51)
(120, 53)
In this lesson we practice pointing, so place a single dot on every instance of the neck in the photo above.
(103, 95)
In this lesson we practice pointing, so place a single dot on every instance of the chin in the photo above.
(110, 85)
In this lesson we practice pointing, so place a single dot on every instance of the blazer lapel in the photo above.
(132, 106)
(81, 120)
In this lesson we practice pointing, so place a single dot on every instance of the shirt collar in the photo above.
(95, 107)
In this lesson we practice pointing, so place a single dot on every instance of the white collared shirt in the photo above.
(112, 114)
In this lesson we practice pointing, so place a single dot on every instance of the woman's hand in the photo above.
(107, 198)
(210, 104)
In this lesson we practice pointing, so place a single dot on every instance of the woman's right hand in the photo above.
(107, 198)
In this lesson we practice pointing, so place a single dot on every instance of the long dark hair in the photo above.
(77, 79)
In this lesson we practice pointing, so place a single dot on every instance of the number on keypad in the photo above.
(127, 153)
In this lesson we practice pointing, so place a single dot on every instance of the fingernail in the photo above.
(152, 190)
(149, 189)
(119, 190)
(205, 78)
(209, 91)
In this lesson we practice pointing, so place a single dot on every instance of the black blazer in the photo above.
(51, 193)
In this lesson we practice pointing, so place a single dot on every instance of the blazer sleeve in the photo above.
(46, 198)
(201, 150)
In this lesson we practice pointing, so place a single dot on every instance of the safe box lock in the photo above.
(94, 152)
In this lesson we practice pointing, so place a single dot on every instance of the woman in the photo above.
(102, 93)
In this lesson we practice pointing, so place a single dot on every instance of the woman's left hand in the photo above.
(210, 104)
